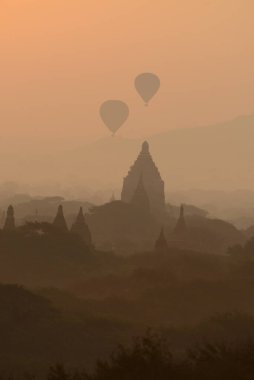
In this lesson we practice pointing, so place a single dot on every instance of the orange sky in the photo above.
(60, 59)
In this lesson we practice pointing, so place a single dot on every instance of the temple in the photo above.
(9, 224)
(80, 228)
(180, 227)
(153, 184)
(161, 245)
(59, 221)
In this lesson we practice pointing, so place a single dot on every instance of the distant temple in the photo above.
(9, 224)
(180, 236)
(80, 228)
(59, 221)
(153, 184)
(161, 245)
(180, 227)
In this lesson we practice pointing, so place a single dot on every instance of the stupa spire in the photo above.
(161, 244)
(181, 224)
(145, 147)
(59, 221)
(81, 228)
(9, 224)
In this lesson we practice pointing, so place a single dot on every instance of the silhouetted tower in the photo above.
(140, 198)
(180, 227)
(81, 228)
(152, 180)
(59, 221)
(3, 219)
(9, 224)
(161, 245)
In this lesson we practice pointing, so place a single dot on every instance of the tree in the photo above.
(148, 358)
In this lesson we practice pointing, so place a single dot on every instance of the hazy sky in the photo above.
(61, 58)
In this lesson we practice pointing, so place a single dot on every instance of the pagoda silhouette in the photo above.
(81, 228)
(152, 182)
(180, 227)
(59, 221)
(161, 245)
(9, 224)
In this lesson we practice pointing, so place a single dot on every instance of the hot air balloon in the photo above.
(147, 84)
(114, 113)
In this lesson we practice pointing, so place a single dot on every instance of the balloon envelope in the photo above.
(147, 84)
(114, 113)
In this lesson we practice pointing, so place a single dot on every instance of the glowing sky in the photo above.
(60, 59)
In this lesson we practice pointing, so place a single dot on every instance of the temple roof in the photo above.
(59, 221)
(144, 164)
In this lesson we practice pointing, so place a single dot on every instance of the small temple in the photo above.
(81, 228)
(59, 221)
(9, 224)
(161, 245)
(180, 227)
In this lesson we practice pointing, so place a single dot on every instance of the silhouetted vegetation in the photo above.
(150, 358)
(39, 250)
(83, 302)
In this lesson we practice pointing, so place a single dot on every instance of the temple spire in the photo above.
(161, 244)
(145, 147)
(9, 224)
(81, 228)
(59, 221)
(181, 224)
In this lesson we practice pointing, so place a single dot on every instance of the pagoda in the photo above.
(151, 180)
(81, 228)
(161, 245)
(180, 227)
(9, 224)
(59, 221)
